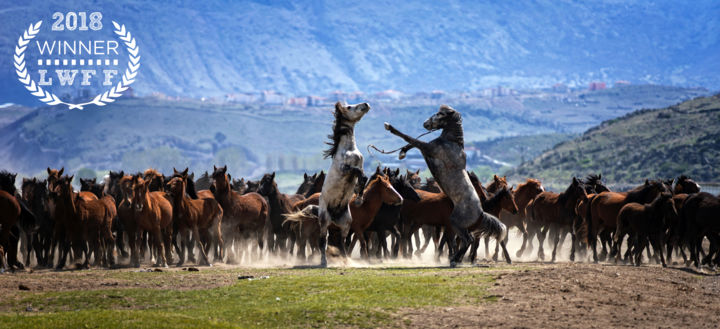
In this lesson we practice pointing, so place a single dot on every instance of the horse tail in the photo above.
(619, 227)
(306, 214)
(492, 226)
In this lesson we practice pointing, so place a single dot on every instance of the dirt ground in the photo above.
(533, 295)
(588, 296)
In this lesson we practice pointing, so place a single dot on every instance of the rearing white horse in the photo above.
(345, 174)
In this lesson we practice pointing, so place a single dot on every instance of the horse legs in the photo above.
(656, 242)
(541, 241)
(182, 242)
(474, 247)
(555, 234)
(465, 240)
(487, 250)
(198, 243)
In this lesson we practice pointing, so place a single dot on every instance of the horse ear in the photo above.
(273, 175)
(377, 170)
(175, 171)
(417, 172)
(122, 173)
(214, 168)
(225, 168)
(305, 176)
(647, 182)
(61, 171)
(49, 170)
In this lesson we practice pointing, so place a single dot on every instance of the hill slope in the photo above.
(211, 48)
(680, 139)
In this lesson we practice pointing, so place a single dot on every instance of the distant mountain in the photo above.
(137, 133)
(664, 143)
(211, 48)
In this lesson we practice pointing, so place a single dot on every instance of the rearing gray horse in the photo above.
(445, 157)
(344, 177)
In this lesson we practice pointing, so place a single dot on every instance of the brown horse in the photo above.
(701, 218)
(152, 213)
(154, 179)
(244, 216)
(645, 222)
(279, 204)
(497, 184)
(91, 185)
(524, 194)
(605, 207)
(502, 200)
(377, 192)
(88, 225)
(555, 213)
(202, 216)
(684, 184)
(9, 214)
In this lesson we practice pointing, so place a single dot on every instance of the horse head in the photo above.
(267, 185)
(684, 184)
(405, 188)
(507, 200)
(352, 113)
(381, 184)
(140, 193)
(7, 182)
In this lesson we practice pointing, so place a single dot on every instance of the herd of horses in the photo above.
(150, 215)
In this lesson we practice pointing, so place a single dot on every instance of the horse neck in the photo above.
(638, 195)
(492, 205)
(347, 140)
(372, 200)
(453, 132)
(522, 198)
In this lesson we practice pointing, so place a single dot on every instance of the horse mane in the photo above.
(151, 171)
(638, 194)
(593, 179)
(340, 129)
(529, 182)
(493, 201)
(453, 130)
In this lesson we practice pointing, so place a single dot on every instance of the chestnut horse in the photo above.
(555, 213)
(605, 207)
(202, 216)
(244, 216)
(524, 194)
(378, 192)
(684, 184)
(153, 213)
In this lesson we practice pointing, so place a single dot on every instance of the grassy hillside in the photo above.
(680, 139)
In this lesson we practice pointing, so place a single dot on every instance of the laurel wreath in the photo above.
(100, 100)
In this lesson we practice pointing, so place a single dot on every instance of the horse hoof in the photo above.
(508, 261)
(453, 264)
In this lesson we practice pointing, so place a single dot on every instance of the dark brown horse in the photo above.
(684, 184)
(87, 224)
(497, 184)
(645, 222)
(91, 185)
(38, 236)
(555, 213)
(244, 216)
(201, 216)
(154, 179)
(280, 205)
(605, 207)
(9, 214)
(701, 217)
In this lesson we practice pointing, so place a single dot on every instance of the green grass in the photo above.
(307, 298)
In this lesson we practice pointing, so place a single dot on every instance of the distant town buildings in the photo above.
(596, 85)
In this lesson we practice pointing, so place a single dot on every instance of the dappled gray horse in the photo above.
(445, 157)
(344, 177)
